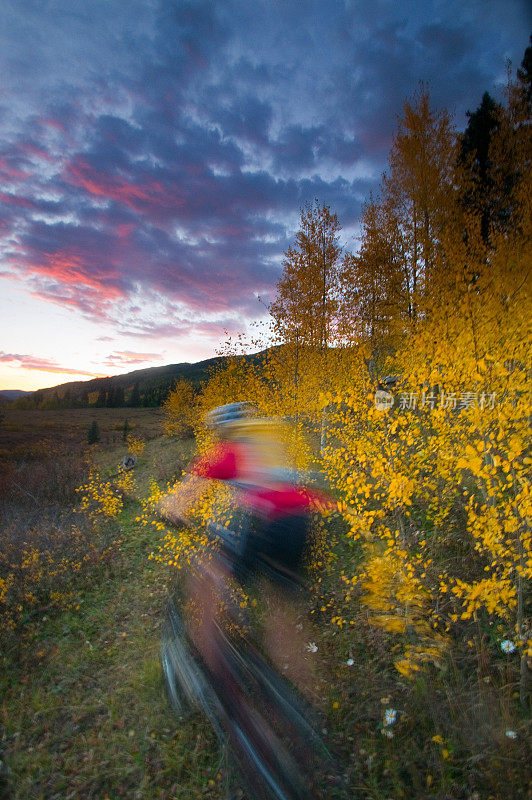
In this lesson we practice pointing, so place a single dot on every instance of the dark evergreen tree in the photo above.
(93, 435)
(134, 400)
(525, 77)
(474, 157)
(100, 400)
(119, 399)
(38, 398)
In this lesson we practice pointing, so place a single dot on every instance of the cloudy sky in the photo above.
(155, 154)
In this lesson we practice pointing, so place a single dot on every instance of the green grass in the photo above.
(85, 715)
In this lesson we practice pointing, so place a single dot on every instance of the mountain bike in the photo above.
(270, 732)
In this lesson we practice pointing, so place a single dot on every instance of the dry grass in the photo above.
(21, 432)
(83, 709)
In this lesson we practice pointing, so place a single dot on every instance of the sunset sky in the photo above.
(155, 154)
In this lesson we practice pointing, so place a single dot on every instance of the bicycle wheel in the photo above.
(174, 692)
(280, 700)
(296, 724)
(176, 666)
(267, 770)
(187, 686)
(268, 734)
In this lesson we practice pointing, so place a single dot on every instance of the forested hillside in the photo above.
(141, 388)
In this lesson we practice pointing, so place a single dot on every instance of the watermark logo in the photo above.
(383, 400)
(431, 400)
(454, 401)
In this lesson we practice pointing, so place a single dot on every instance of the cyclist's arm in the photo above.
(217, 464)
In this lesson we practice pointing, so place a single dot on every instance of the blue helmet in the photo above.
(226, 415)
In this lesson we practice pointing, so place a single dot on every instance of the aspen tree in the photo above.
(179, 409)
(305, 310)
(455, 445)
(374, 293)
(418, 191)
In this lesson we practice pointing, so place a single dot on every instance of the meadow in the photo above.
(22, 430)
(80, 618)
(84, 713)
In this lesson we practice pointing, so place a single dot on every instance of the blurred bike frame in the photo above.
(269, 730)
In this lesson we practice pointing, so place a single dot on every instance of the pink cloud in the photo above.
(49, 122)
(203, 329)
(135, 196)
(9, 173)
(70, 270)
(125, 358)
(15, 200)
(85, 300)
(33, 150)
(123, 231)
(44, 365)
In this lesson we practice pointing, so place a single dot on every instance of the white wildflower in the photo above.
(511, 734)
(350, 662)
(390, 716)
(312, 647)
(507, 646)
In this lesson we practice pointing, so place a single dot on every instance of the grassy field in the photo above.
(84, 715)
(83, 709)
(22, 433)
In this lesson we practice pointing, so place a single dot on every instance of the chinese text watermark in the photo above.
(454, 401)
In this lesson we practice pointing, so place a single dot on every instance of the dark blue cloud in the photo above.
(164, 149)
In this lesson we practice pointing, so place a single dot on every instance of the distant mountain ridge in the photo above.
(142, 387)
(12, 394)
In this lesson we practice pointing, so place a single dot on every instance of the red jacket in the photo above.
(230, 461)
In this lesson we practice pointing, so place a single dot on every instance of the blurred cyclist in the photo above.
(249, 454)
